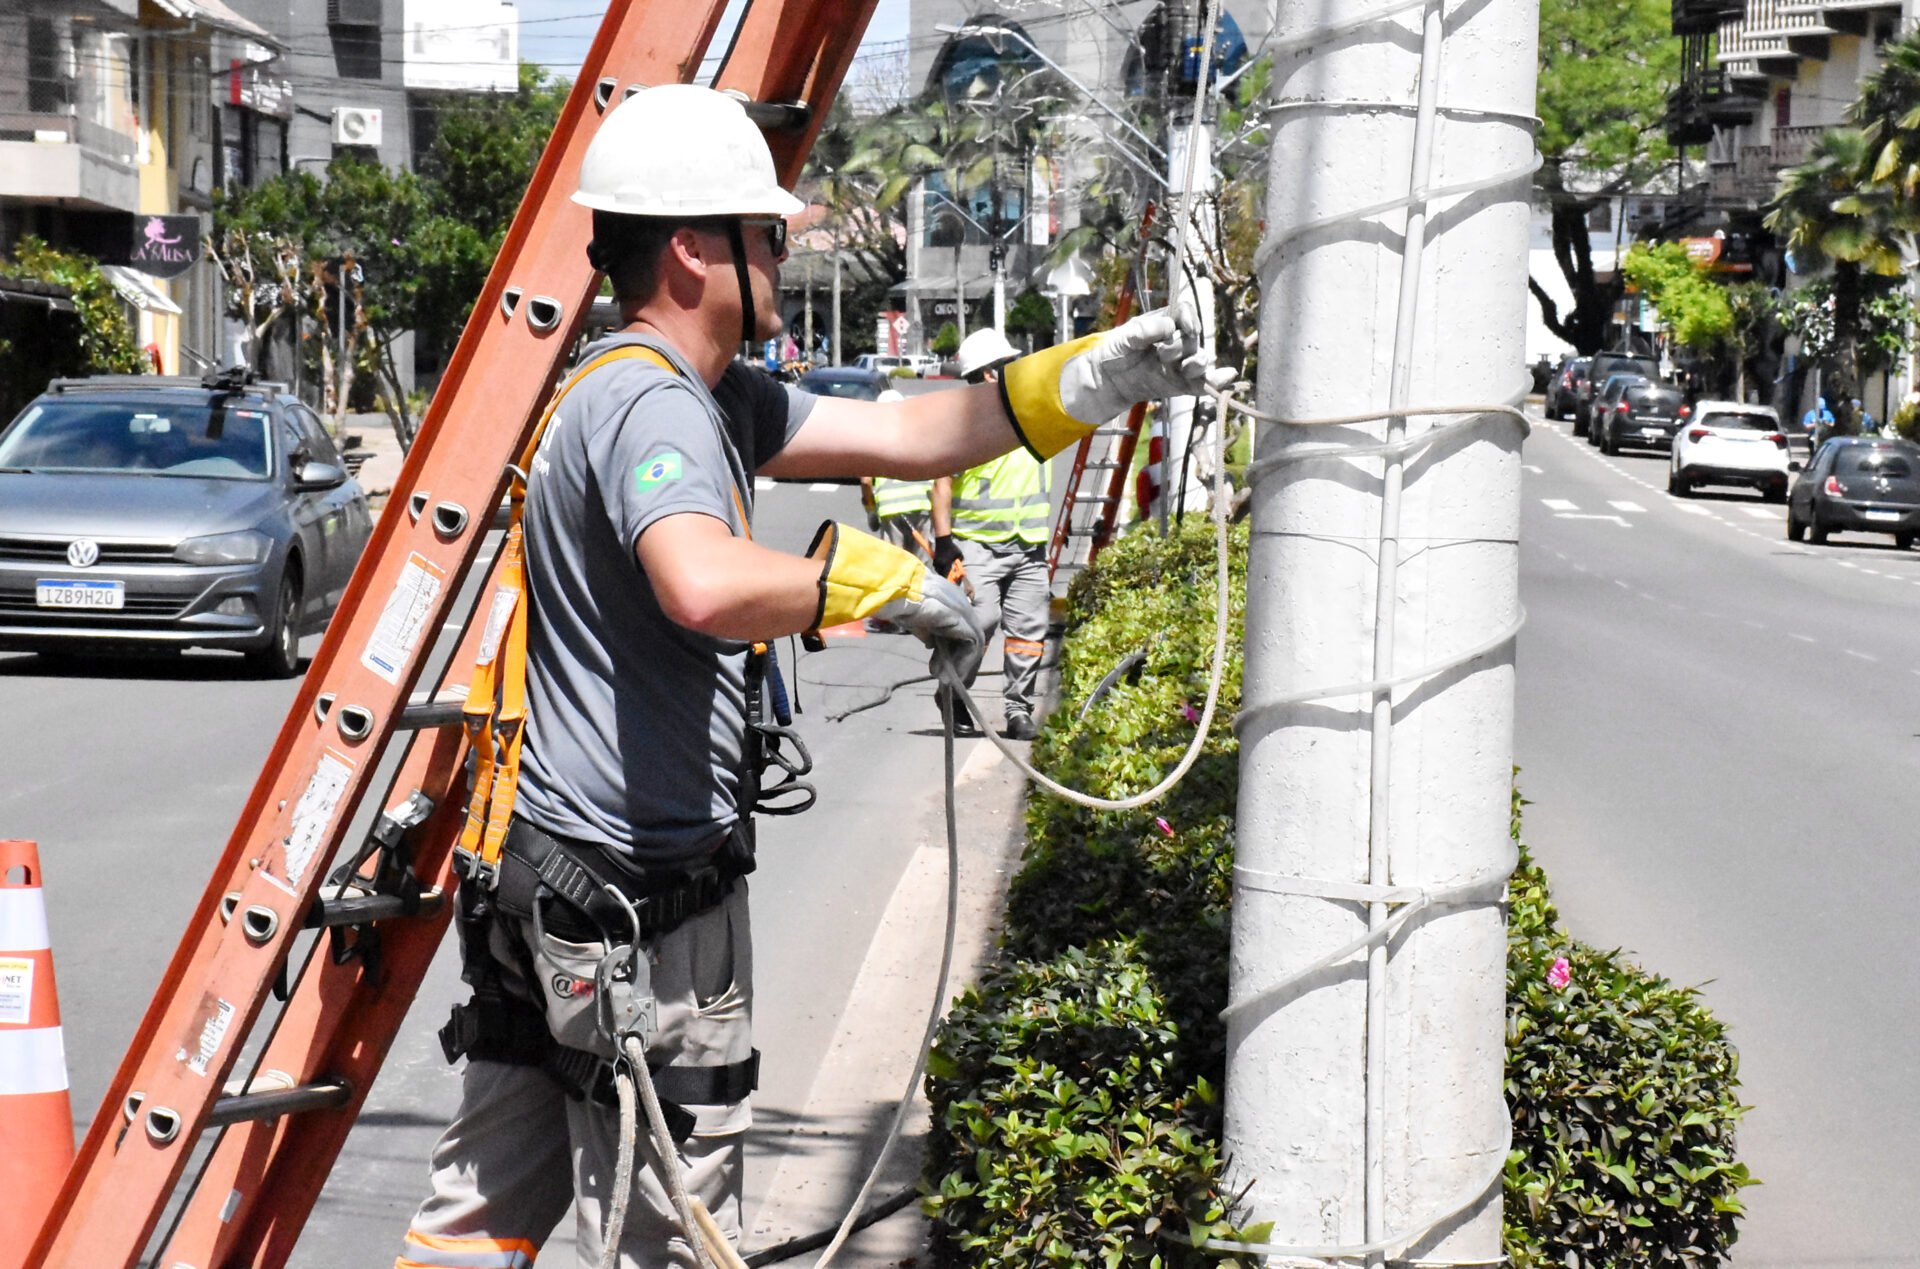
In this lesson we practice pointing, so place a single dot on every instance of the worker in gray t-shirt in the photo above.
(648, 596)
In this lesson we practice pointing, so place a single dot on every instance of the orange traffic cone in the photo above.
(36, 1119)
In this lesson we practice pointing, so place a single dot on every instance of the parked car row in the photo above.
(1851, 484)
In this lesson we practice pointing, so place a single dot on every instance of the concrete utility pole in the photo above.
(1365, 1101)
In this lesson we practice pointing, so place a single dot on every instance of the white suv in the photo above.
(1727, 443)
(885, 363)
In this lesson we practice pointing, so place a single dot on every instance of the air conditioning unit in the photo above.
(356, 125)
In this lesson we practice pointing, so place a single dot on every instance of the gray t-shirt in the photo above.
(636, 724)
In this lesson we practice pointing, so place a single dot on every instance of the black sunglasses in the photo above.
(776, 234)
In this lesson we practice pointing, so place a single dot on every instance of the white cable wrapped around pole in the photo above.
(1415, 793)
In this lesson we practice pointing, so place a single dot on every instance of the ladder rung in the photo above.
(359, 909)
(238, 1108)
(1101, 501)
(1113, 431)
(781, 116)
(425, 712)
(1103, 464)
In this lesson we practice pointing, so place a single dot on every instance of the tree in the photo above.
(1032, 316)
(1606, 69)
(864, 232)
(1834, 215)
(946, 341)
(1693, 307)
(422, 242)
(50, 348)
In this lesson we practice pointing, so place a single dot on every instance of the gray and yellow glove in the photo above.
(861, 576)
(1058, 395)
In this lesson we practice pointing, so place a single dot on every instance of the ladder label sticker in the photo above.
(504, 599)
(313, 813)
(16, 990)
(404, 619)
(213, 1033)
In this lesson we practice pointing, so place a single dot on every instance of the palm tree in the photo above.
(1831, 211)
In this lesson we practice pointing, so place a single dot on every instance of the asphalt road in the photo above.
(1720, 734)
(130, 775)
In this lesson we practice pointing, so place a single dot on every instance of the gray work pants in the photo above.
(1010, 591)
(900, 531)
(520, 1153)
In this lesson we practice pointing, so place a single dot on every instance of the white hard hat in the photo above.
(685, 152)
(983, 350)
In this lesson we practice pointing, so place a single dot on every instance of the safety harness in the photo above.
(509, 865)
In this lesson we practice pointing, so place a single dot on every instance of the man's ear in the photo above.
(687, 252)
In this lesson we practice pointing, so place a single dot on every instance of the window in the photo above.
(1783, 108)
(49, 86)
(1600, 219)
(314, 438)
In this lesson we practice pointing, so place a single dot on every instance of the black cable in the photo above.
(820, 1238)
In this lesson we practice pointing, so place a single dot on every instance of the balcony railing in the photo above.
(68, 130)
(1815, 8)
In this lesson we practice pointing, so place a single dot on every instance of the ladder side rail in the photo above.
(1117, 481)
(115, 1192)
(771, 60)
(1064, 520)
(1123, 309)
(260, 1182)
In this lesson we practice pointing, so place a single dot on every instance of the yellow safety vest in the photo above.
(1004, 499)
(901, 497)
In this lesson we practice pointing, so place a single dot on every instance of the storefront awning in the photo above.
(215, 14)
(937, 286)
(45, 295)
(138, 290)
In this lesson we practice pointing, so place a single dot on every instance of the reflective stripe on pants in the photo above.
(1010, 590)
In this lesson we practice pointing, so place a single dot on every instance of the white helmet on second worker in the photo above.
(983, 350)
(683, 152)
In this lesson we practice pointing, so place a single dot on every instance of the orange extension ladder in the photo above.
(279, 1135)
(1097, 487)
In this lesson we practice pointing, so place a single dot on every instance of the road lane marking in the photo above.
(1862, 656)
(1532, 470)
(1559, 504)
(1694, 509)
(1802, 638)
(762, 483)
(1568, 515)
(1761, 513)
(1625, 506)
(1622, 585)
(825, 486)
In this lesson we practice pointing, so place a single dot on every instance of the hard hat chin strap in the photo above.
(739, 244)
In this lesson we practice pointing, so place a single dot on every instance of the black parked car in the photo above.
(1605, 400)
(1566, 385)
(141, 511)
(1600, 368)
(1643, 414)
(1858, 484)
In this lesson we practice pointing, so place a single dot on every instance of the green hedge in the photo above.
(1075, 1091)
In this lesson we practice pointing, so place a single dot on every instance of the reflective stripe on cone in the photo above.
(36, 1115)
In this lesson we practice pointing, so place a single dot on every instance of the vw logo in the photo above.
(83, 554)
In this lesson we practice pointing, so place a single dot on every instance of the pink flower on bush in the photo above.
(1160, 822)
(1560, 975)
(1191, 714)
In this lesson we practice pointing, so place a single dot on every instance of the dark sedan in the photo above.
(1858, 484)
(141, 512)
(1566, 386)
(1645, 414)
(845, 381)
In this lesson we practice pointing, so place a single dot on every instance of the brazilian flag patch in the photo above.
(664, 468)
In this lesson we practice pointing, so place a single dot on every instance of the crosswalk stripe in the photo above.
(1626, 506)
(1559, 504)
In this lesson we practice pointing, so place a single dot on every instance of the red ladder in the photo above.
(279, 1136)
(1097, 488)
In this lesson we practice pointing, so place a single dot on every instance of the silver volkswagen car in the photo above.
(141, 511)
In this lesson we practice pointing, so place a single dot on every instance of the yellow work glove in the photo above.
(1056, 396)
(861, 576)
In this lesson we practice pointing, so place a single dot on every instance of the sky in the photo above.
(556, 33)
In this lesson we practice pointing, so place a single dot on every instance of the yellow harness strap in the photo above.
(496, 708)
